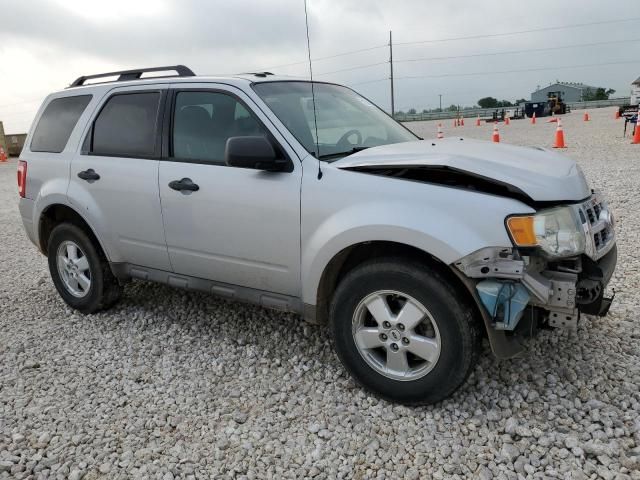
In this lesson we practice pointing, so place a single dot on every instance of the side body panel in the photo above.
(242, 226)
(123, 206)
(48, 173)
(346, 208)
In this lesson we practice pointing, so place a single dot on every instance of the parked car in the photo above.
(313, 200)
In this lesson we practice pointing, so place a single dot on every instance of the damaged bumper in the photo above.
(507, 283)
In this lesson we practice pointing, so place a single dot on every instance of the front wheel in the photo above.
(403, 332)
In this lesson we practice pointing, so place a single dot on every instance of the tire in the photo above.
(103, 289)
(447, 338)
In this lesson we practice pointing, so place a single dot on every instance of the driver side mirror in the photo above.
(253, 152)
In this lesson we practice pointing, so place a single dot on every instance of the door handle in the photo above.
(89, 175)
(184, 184)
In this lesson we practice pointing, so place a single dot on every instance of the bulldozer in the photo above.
(553, 106)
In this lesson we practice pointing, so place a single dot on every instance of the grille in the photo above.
(598, 225)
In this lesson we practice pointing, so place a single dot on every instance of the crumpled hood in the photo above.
(542, 174)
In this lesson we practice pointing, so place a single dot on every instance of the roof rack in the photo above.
(136, 74)
(259, 74)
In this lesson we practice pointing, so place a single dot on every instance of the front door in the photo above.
(241, 226)
(114, 178)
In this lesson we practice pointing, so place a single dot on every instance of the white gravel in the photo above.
(171, 384)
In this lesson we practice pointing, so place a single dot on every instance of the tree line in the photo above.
(588, 94)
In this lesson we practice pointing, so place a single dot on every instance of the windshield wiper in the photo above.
(342, 154)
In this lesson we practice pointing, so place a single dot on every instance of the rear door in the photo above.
(114, 178)
(242, 226)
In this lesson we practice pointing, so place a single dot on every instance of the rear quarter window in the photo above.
(57, 122)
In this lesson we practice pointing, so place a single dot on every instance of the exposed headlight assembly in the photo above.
(557, 231)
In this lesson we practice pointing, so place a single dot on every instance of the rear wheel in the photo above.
(79, 270)
(403, 332)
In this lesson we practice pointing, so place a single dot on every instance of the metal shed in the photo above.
(570, 92)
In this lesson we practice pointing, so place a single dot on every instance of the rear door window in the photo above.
(57, 122)
(127, 126)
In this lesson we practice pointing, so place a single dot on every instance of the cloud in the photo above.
(45, 44)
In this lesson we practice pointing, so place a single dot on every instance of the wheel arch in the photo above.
(58, 213)
(354, 255)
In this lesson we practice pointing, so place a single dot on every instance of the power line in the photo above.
(505, 52)
(371, 81)
(342, 54)
(470, 74)
(354, 68)
(533, 30)
(437, 40)
(510, 52)
(495, 72)
(519, 32)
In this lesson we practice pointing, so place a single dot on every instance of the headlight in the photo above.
(557, 231)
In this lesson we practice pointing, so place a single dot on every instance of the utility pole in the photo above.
(440, 95)
(393, 108)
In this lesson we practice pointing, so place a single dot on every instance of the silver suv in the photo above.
(308, 198)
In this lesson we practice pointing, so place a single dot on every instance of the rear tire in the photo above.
(421, 361)
(80, 271)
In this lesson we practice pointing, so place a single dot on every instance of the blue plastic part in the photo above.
(504, 300)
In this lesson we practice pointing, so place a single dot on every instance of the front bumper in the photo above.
(558, 293)
(592, 282)
(506, 283)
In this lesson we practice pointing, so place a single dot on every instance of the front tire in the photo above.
(79, 270)
(403, 332)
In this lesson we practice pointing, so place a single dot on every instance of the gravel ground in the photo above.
(175, 384)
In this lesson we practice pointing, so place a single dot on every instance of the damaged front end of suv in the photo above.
(561, 262)
(559, 251)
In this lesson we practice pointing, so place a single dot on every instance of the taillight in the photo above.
(22, 178)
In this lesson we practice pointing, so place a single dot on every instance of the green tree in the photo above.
(412, 111)
(453, 108)
(488, 102)
(597, 94)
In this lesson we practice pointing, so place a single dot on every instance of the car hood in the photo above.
(541, 174)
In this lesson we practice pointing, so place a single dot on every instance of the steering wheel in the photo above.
(344, 139)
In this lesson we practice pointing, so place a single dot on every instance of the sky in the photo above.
(462, 50)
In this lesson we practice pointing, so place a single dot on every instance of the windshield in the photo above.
(346, 121)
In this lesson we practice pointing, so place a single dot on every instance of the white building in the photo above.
(635, 92)
(570, 92)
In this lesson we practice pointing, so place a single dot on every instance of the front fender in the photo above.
(446, 223)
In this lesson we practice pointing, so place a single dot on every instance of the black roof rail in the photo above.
(136, 74)
(259, 74)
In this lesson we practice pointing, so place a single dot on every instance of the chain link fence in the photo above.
(488, 112)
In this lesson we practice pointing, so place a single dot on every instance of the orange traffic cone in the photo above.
(636, 134)
(586, 117)
(533, 118)
(455, 122)
(478, 121)
(440, 134)
(617, 115)
(559, 143)
(3, 155)
(507, 120)
(462, 121)
(496, 135)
